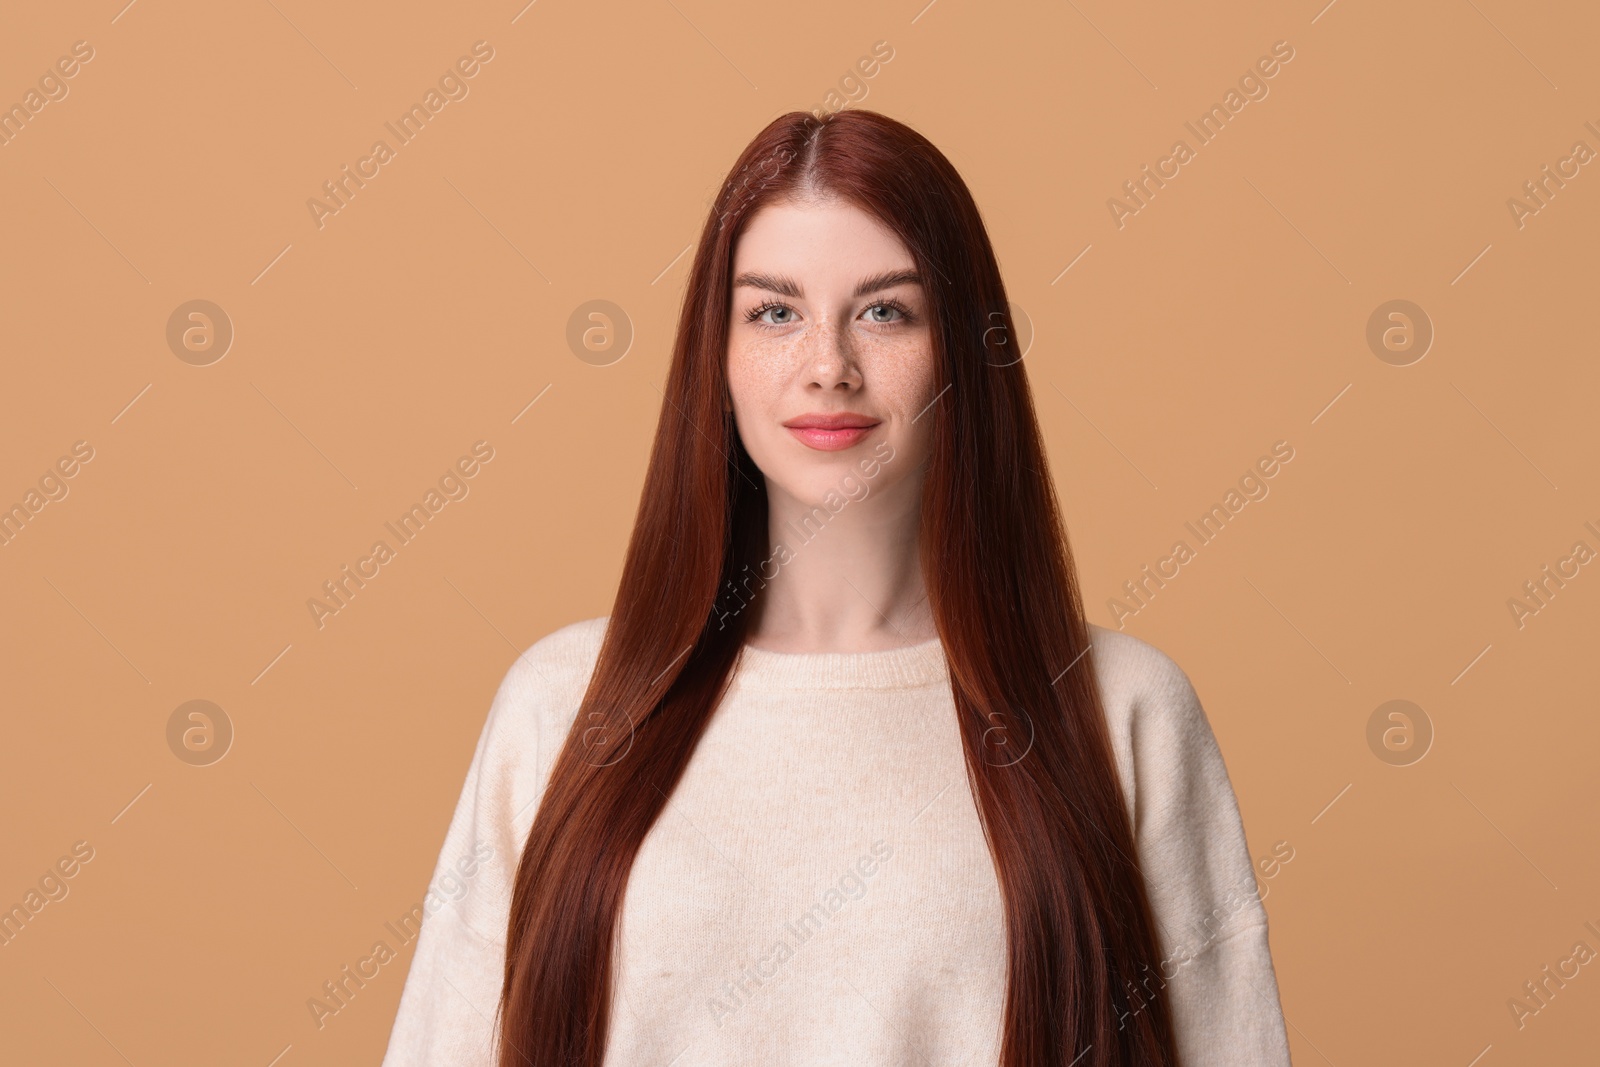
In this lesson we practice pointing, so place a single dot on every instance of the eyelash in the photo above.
(754, 314)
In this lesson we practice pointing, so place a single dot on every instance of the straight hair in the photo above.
(1005, 601)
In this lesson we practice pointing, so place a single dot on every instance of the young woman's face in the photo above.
(829, 318)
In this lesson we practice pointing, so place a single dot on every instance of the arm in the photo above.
(1215, 961)
(447, 1012)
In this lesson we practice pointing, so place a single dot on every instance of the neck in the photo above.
(848, 579)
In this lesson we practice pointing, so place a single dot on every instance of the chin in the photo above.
(830, 479)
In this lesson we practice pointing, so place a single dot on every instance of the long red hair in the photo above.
(1003, 593)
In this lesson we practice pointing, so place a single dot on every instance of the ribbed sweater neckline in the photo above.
(905, 667)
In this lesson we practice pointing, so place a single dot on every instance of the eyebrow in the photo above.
(786, 286)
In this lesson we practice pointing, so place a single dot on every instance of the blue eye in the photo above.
(756, 314)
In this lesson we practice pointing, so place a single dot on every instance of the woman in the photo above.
(845, 776)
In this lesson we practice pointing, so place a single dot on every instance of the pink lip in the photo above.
(838, 420)
(825, 440)
(831, 432)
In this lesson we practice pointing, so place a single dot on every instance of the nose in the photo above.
(831, 357)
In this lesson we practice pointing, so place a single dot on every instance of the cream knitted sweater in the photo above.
(818, 889)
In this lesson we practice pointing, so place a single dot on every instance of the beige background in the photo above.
(1229, 313)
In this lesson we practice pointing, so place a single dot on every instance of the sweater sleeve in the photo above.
(449, 1003)
(1216, 965)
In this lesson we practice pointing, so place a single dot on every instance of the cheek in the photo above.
(746, 384)
(755, 390)
(760, 369)
(910, 377)
(904, 371)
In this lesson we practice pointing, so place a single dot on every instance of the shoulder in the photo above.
(533, 709)
(1160, 735)
(1192, 848)
(534, 706)
(543, 686)
(559, 660)
(1133, 673)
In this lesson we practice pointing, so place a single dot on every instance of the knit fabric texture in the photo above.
(819, 890)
